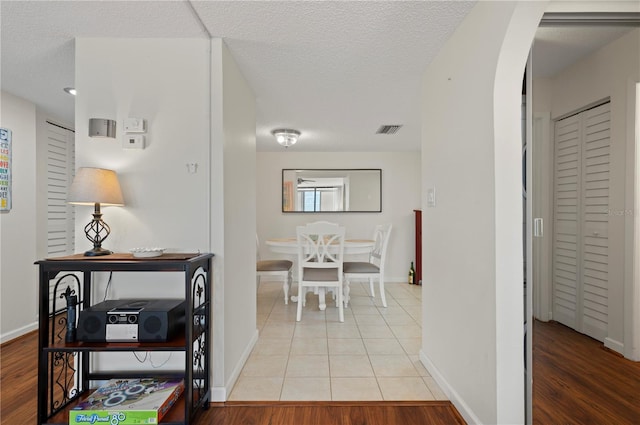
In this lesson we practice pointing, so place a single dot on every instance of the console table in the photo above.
(65, 370)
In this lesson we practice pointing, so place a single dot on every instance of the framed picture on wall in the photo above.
(5, 169)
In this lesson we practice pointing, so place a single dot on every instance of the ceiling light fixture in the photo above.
(70, 90)
(286, 137)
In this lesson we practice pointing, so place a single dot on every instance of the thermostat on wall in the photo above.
(134, 125)
(133, 141)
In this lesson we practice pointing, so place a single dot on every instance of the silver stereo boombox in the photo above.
(132, 320)
(122, 324)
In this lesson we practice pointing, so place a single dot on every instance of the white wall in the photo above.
(233, 217)
(472, 240)
(606, 73)
(18, 275)
(199, 110)
(165, 204)
(400, 196)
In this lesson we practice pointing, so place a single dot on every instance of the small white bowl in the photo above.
(146, 252)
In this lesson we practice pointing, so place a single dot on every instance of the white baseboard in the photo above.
(222, 393)
(6, 337)
(614, 345)
(455, 398)
(218, 394)
(544, 317)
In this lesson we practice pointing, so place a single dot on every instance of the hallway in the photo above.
(372, 356)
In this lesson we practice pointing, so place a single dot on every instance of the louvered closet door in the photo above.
(566, 220)
(581, 206)
(60, 171)
(60, 215)
(595, 222)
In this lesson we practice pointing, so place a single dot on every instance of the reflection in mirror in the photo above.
(331, 190)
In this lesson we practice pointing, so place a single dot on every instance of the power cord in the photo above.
(106, 290)
(147, 355)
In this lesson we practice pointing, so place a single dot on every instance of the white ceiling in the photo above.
(334, 70)
(555, 48)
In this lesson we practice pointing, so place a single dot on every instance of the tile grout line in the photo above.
(270, 317)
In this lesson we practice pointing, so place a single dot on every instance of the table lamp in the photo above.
(96, 186)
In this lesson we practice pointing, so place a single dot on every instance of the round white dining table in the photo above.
(289, 246)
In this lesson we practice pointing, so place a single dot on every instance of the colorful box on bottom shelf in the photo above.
(128, 402)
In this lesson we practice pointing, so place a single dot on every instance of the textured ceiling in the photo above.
(335, 70)
(555, 48)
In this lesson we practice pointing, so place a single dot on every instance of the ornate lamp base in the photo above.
(97, 231)
(97, 251)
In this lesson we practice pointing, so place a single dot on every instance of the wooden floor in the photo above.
(330, 413)
(576, 381)
(18, 382)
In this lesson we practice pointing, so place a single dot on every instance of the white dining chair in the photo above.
(274, 268)
(372, 269)
(320, 257)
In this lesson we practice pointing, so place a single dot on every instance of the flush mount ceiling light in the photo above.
(70, 90)
(286, 137)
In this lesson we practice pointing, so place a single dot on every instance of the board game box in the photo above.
(128, 402)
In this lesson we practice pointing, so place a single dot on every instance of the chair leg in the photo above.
(285, 288)
(301, 298)
(347, 291)
(372, 288)
(340, 303)
(382, 295)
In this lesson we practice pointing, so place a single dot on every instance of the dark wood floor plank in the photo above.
(576, 380)
(334, 413)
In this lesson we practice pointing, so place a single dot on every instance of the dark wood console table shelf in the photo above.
(65, 370)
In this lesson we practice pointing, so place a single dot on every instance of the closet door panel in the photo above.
(566, 221)
(581, 221)
(595, 245)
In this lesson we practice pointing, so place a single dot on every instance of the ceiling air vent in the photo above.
(388, 129)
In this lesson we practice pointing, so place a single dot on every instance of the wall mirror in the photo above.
(331, 190)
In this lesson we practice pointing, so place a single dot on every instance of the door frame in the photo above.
(539, 280)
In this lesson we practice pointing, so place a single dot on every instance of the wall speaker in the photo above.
(102, 127)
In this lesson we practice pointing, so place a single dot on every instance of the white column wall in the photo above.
(199, 110)
(165, 82)
(18, 275)
(472, 240)
(233, 217)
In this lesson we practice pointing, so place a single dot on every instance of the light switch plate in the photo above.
(134, 125)
(431, 197)
(133, 141)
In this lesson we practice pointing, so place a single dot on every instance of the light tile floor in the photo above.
(373, 355)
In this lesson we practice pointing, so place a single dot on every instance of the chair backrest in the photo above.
(381, 238)
(320, 246)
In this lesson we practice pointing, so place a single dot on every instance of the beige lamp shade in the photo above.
(95, 185)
